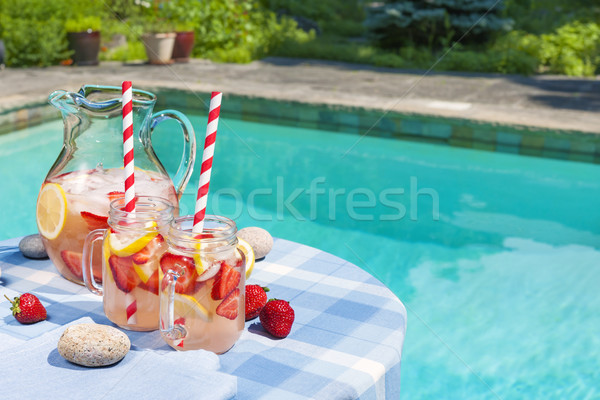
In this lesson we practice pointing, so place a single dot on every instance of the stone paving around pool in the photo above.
(548, 116)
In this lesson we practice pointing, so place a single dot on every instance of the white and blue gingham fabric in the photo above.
(346, 341)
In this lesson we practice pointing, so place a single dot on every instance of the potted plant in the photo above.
(159, 32)
(185, 15)
(1, 54)
(83, 35)
(184, 43)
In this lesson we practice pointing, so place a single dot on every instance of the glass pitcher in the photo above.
(88, 173)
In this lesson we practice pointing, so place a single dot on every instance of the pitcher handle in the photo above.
(184, 172)
(86, 264)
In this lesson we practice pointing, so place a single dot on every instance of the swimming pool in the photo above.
(496, 256)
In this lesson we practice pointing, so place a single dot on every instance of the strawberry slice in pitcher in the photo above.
(72, 260)
(184, 267)
(94, 221)
(115, 195)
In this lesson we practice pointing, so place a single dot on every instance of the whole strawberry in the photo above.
(256, 298)
(277, 317)
(27, 308)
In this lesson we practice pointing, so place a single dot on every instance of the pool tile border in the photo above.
(33, 114)
(538, 142)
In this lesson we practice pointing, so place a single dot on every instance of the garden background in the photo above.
(499, 36)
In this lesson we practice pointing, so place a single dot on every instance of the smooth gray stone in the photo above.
(32, 247)
(93, 345)
(260, 240)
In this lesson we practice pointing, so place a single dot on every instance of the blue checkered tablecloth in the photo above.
(346, 341)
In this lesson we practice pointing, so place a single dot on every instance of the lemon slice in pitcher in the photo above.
(123, 244)
(189, 308)
(249, 253)
(51, 210)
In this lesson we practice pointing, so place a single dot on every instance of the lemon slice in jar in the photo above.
(51, 210)
(123, 244)
(144, 271)
(189, 308)
(106, 256)
(198, 259)
(245, 248)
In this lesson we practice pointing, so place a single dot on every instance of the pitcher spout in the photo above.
(97, 98)
(58, 98)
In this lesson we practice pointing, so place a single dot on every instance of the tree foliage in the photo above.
(435, 23)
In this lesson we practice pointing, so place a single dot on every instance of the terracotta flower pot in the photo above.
(1, 54)
(86, 46)
(184, 43)
(159, 47)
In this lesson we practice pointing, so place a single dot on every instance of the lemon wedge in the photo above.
(245, 248)
(123, 245)
(144, 271)
(189, 308)
(106, 255)
(51, 210)
(198, 259)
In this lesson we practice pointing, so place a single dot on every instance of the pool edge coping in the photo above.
(562, 144)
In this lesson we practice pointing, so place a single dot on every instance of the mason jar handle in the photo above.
(168, 328)
(86, 264)
(184, 172)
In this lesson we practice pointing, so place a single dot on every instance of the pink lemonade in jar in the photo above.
(131, 280)
(73, 204)
(209, 297)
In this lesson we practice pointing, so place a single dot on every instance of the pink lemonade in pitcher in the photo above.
(88, 172)
(71, 205)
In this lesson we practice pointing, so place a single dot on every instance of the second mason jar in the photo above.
(202, 296)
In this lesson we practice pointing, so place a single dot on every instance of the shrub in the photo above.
(340, 17)
(132, 50)
(33, 43)
(573, 49)
(82, 24)
(497, 59)
(434, 23)
(240, 31)
(33, 32)
(535, 16)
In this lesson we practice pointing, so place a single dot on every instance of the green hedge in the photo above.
(556, 36)
(34, 31)
(435, 23)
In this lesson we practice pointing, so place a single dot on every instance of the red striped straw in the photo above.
(207, 159)
(131, 309)
(128, 146)
(129, 178)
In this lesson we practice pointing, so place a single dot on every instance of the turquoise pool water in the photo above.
(496, 257)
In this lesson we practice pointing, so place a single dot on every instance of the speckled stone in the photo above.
(260, 240)
(32, 247)
(93, 345)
